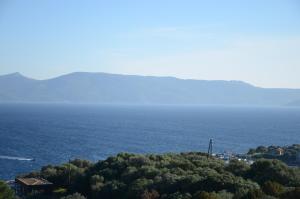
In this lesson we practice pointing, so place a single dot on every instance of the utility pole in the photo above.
(210, 148)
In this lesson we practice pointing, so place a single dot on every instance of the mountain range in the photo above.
(103, 88)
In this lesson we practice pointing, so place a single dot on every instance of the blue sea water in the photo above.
(54, 133)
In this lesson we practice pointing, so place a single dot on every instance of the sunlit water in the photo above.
(52, 134)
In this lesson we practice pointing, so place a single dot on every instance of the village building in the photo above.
(276, 152)
(25, 186)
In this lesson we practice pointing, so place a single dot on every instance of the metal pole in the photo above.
(209, 151)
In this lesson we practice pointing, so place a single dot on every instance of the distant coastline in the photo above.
(103, 88)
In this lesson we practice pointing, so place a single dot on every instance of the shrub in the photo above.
(74, 196)
(150, 195)
(5, 191)
(272, 188)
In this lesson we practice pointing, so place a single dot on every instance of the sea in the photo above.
(35, 135)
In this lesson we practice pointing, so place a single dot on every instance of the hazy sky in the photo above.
(257, 41)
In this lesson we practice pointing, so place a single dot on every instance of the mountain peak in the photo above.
(16, 74)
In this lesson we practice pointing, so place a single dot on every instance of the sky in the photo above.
(249, 40)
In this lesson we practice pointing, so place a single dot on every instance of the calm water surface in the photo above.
(51, 134)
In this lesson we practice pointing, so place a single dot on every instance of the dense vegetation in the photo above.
(288, 154)
(5, 191)
(172, 176)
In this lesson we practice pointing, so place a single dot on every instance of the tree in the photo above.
(273, 170)
(5, 191)
(261, 149)
(150, 195)
(74, 196)
(177, 195)
(254, 194)
(239, 168)
(97, 184)
(272, 188)
(292, 194)
(205, 195)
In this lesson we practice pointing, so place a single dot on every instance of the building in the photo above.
(25, 186)
(276, 151)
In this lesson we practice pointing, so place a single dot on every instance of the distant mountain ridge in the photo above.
(82, 87)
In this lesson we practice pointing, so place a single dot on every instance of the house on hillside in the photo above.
(25, 186)
(276, 151)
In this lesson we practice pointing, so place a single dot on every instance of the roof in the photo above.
(33, 181)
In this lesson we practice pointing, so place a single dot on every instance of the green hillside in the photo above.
(171, 176)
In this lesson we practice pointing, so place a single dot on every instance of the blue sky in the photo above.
(252, 40)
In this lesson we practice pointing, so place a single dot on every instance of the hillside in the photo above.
(172, 176)
(130, 89)
(288, 154)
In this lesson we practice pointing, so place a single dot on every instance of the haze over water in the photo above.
(53, 133)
